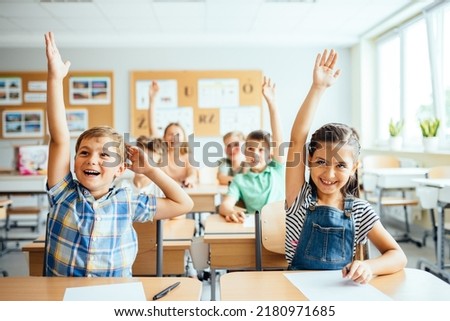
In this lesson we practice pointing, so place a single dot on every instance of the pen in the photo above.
(164, 292)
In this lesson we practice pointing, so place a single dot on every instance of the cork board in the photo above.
(206, 96)
(88, 96)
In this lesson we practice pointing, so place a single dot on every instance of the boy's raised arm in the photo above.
(59, 146)
(323, 77)
(268, 91)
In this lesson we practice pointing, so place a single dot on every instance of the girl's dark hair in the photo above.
(341, 134)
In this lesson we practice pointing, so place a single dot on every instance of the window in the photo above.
(406, 88)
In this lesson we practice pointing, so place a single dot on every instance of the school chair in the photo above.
(270, 232)
(3, 208)
(375, 195)
(429, 202)
(150, 238)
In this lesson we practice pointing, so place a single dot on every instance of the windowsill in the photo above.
(406, 151)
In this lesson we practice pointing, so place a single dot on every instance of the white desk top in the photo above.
(399, 171)
(433, 182)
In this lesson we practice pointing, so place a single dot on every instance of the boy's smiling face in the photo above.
(97, 164)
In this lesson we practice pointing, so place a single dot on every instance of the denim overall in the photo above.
(326, 241)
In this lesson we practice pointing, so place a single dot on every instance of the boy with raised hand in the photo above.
(90, 223)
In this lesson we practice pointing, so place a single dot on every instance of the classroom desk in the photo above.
(206, 196)
(405, 285)
(232, 246)
(393, 179)
(437, 192)
(53, 288)
(23, 185)
(177, 235)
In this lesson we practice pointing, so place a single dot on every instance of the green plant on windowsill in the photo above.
(429, 127)
(395, 128)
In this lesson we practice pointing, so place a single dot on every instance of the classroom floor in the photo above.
(15, 262)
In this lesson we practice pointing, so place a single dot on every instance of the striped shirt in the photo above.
(363, 215)
(89, 237)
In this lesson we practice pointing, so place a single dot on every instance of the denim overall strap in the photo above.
(327, 238)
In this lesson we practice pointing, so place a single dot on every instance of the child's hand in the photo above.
(138, 160)
(188, 182)
(358, 271)
(153, 90)
(56, 67)
(324, 74)
(235, 217)
(268, 89)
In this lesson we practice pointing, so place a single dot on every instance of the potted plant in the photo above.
(429, 128)
(395, 129)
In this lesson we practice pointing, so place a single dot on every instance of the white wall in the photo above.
(289, 67)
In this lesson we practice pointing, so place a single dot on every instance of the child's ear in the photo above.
(120, 170)
(355, 166)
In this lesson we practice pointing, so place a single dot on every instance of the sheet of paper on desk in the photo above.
(330, 286)
(133, 291)
(249, 220)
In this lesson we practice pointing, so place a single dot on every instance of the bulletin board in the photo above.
(88, 97)
(206, 103)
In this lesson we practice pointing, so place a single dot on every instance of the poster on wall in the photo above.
(245, 119)
(36, 92)
(182, 115)
(11, 91)
(90, 90)
(167, 95)
(77, 121)
(218, 93)
(23, 123)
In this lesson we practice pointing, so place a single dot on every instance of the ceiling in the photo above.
(91, 23)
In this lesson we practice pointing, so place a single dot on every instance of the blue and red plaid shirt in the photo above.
(89, 237)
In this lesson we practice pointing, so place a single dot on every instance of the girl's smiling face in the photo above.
(331, 166)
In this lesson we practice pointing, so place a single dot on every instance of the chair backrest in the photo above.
(273, 227)
(270, 231)
(149, 240)
(380, 161)
(362, 251)
(439, 172)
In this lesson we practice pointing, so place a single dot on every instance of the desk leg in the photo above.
(213, 284)
(440, 238)
(437, 269)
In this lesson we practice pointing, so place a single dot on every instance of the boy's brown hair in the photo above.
(104, 131)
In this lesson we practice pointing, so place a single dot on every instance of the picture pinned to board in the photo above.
(35, 92)
(90, 90)
(77, 121)
(11, 91)
(167, 96)
(23, 123)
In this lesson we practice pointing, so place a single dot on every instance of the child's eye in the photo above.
(82, 153)
(104, 155)
(342, 166)
(320, 162)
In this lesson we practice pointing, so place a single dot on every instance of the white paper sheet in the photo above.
(133, 291)
(249, 220)
(330, 286)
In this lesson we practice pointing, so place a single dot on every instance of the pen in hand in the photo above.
(164, 292)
